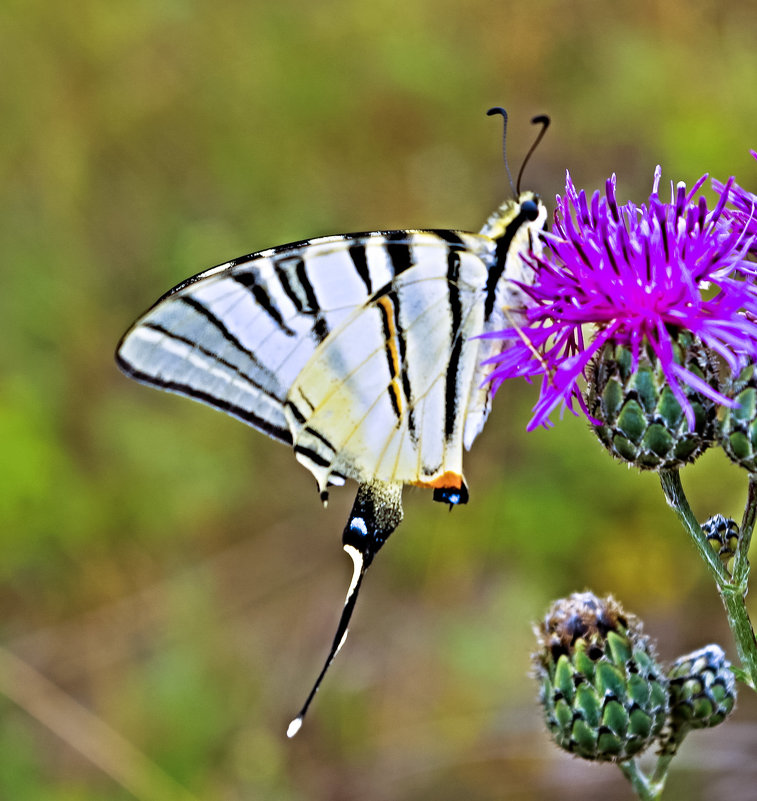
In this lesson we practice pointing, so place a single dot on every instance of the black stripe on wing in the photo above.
(400, 253)
(317, 434)
(320, 327)
(452, 238)
(298, 415)
(359, 256)
(282, 273)
(502, 249)
(196, 346)
(456, 312)
(248, 280)
(404, 376)
(312, 455)
(218, 324)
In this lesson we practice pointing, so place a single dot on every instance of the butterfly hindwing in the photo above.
(384, 396)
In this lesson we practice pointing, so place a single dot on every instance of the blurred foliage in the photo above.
(172, 572)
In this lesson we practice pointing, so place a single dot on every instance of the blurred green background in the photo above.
(170, 571)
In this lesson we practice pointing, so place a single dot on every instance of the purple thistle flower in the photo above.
(639, 275)
(741, 211)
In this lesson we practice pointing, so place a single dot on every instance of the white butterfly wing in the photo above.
(385, 396)
(201, 342)
(249, 336)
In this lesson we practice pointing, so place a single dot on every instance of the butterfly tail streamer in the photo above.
(376, 512)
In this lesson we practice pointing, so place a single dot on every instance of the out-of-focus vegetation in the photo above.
(170, 571)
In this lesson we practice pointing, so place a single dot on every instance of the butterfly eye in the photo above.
(529, 209)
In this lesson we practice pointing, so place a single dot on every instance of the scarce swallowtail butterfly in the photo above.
(362, 352)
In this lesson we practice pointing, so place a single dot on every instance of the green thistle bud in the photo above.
(702, 692)
(603, 694)
(738, 427)
(723, 535)
(640, 420)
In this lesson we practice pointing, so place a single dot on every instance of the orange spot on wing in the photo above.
(446, 480)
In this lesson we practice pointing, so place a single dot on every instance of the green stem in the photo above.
(671, 486)
(661, 770)
(743, 632)
(732, 588)
(648, 788)
(644, 788)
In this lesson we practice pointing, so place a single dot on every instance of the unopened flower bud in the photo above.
(603, 694)
(702, 692)
(738, 427)
(723, 535)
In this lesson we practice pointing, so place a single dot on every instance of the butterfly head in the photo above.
(526, 215)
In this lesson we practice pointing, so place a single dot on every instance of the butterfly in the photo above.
(362, 352)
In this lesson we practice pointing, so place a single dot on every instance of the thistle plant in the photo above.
(643, 318)
(640, 276)
(606, 697)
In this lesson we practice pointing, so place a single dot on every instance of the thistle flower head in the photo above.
(634, 276)
(638, 418)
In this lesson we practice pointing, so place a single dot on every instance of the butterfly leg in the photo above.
(377, 511)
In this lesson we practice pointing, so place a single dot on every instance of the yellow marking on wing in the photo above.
(391, 344)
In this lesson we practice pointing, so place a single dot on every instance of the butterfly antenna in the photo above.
(490, 113)
(544, 121)
(377, 511)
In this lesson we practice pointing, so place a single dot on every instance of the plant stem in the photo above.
(732, 589)
(646, 790)
(743, 632)
(661, 770)
(671, 486)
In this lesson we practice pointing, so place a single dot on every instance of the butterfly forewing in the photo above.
(191, 343)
